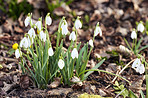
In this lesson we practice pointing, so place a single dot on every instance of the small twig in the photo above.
(120, 72)
(120, 93)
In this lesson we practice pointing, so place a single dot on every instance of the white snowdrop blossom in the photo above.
(136, 63)
(48, 20)
(64, 28)
(18, 53)
(30, 41)
(43, 36)
(133, 34)
(61, 63)
(140, 69)
(38, 25)
(91, 43)
(72, 36)
(74, 53)
(98, 31)
(138, 66)
(24, 43)
(50, 51)
(27, 21)
(78, 24)
(140, 27)
(31, 33)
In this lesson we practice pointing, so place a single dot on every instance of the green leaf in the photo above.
(138, 45)
(132, 95)
(142, 95)
(98, 65)
(143, 48)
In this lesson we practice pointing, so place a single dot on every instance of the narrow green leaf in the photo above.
(142, 95)
(98, 65)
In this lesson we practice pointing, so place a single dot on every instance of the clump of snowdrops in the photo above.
(43, 62)
(140, 64)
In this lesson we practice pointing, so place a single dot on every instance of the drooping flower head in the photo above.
(140, 27)
(134, 34)
(43, 36)
(31, 33)
(61, 63)
(74, 53)
(136, 63)
(50, 51)
(138, 66)
(64, 27)
(48, 19)
(97, 30)
(78, 23)
(72, 36)
(140, 69)
(15, 46)
(18, 53)
(91, 43)
(39, 24)
(28, 20)
(24, 43)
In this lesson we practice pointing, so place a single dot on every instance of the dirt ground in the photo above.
(117, 19)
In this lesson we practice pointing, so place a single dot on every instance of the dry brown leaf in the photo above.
(18, 29)
(24, 81)
(55, 83)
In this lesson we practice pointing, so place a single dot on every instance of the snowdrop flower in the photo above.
(24, 42)
(27, 20)
(61, 63)
(15, 46)
(72, 36)
(78, 24)
(30, 41)
(140, 27)
(64, 27)
(136, 63)
(43, 36)
(48, 20)
(134, 34)
(31, 33)
(138, 66)
(50, 51)
(38, 25)
(91, 43)
(74, 53)
(140, 69)
(98, 30)
(18, 53)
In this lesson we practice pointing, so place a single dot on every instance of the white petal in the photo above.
(72, 36)
(17, 53)
(78, 24)
(140, 27)
(24, 42)
(134, 35)
(50, 51)
(136, 63)
(38, 24)
(98, 31)
(74, 53)
(27, 20)
(31, 33)
(48, 20)
(91, 43)
(64, 30)
(140, 69)
(43, 36)
(61, 63)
